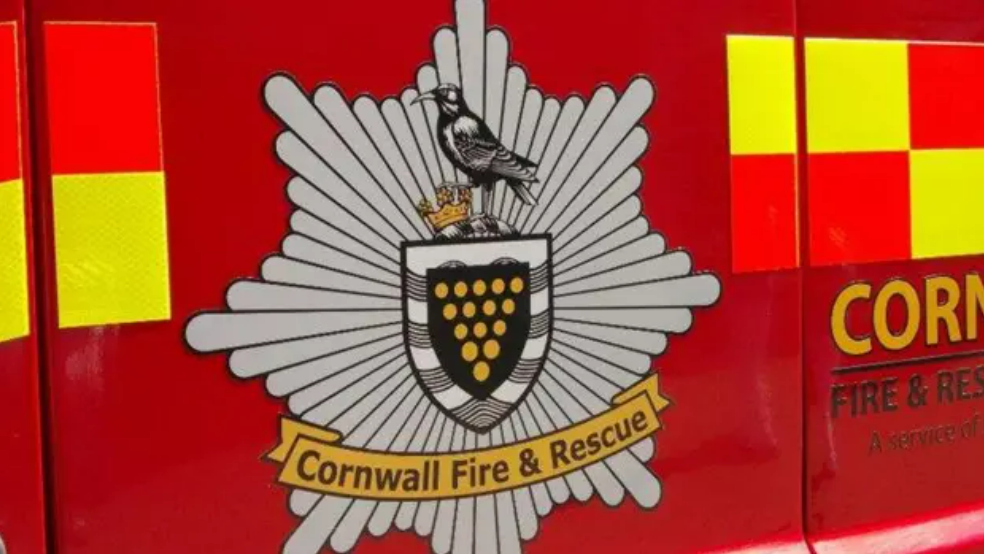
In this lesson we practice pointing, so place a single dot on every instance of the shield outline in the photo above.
(405, 300)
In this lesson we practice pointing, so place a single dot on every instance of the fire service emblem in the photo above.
(463, 315)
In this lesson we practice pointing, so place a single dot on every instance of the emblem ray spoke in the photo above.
(336, 212)
(692, 291)
(216, 332)
(289, 271)
(398, 120)
(560, 137)
(669, 320)
(244, 296)
(309, 226)
(591, 402)
(580, 193)
(635, 230)
(606, 380)
(371, 117)
(368, 165)
(594, 115)
(531, 114)
(361, 426)
(530, 420)
(592, 223)
(545, 126)
(422, 127)
(386, 512)
(393, 435)
(649, 342)
(446, 510)
(567, 412)
(517, 97)
(334, 382)
(301, 157)
(334, 406)
(551, 419)
(408, 510)
(604, 187)
(496, 65)
(511, 509)
(531, 502)
(632, 360)
(463, 524)
(345, 347)
(427, 510)
(659, 268)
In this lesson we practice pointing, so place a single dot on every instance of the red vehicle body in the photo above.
(826, 398)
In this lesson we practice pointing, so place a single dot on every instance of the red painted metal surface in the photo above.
(21, 486)
(158, 451)
(923, 497)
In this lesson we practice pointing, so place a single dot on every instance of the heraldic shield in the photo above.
(477, 322)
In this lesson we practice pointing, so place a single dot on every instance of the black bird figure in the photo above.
(472, 148)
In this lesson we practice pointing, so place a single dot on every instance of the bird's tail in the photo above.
(522, 191)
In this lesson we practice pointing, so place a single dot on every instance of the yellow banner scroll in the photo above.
(314, 460)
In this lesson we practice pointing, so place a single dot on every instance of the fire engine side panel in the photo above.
(159, 450)
(21, 499)
(892, 352)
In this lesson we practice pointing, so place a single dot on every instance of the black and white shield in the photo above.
(477, 322)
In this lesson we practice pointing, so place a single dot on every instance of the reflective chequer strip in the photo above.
(762, 114)
(14, 301)
(896, 150)
(110, 215)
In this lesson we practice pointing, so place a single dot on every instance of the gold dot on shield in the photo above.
(469, 310)
(450, 311)
(498, 286)
(441, 291)
(481, 329)
(508, 306)
(489, 308)
(479, 287)
(516, 285)
(499, 328)
(491, 349)
(469, 351)
(460, 289)
(481, 372)
(461, 331)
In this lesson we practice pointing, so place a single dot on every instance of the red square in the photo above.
(102, 97)
(859, 208)
(763, 213)
(10, 162)
(946, 84)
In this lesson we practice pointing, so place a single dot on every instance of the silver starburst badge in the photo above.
(458, 364)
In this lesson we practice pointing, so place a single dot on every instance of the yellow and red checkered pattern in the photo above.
(763, 137)
(896, 149)
(110, 214)
(894, 146)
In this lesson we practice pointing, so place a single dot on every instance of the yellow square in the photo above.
(15, 319)
(947, 202)
(762, 94)
(111, 249)
(857, 95)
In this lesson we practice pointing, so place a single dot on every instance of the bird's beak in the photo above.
(425, 96)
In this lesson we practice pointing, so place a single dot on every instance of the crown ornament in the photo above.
(454, 204)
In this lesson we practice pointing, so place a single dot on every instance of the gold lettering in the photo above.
(974, 301)
(913, 315)
(838, 320)
(945, 312)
